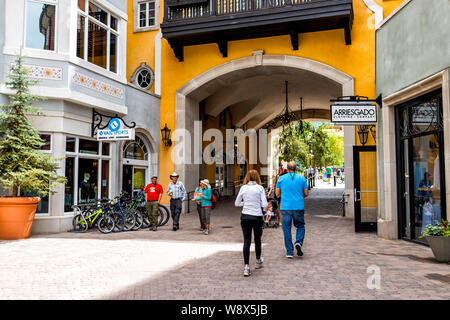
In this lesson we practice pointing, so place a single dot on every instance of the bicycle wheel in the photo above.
(105, 224)
(79, 223)
(163, 215)
(145, 220)
(139, 220)
(119, 222)
(130, 220)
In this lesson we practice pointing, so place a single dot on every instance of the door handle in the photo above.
(356, 196)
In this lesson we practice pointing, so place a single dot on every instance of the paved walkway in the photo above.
(189, 265)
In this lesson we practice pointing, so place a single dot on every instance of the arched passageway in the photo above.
(250, 92)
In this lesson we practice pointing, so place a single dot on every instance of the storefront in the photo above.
(420, 159)
(135, 168)
(87, 167)
(413, 133)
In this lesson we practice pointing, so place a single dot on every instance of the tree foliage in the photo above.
(327, 148)
(22, 165)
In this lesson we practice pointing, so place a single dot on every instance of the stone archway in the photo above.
(189, 95)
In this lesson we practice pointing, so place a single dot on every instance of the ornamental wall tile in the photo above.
(42, 72)
(97, 85)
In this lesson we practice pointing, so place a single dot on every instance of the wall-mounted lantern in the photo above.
(165, 133)
(363, 134)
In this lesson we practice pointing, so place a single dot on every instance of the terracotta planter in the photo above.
(16, 217)
(440, 247)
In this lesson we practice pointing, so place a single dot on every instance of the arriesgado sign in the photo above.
(356, 113)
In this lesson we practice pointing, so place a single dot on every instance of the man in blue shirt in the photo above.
(292, 188)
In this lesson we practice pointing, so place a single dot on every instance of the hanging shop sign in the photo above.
(353, 111)
(115, 129)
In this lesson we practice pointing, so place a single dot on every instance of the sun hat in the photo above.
(206, 183)
(174, 174)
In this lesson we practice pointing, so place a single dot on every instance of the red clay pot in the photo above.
(17, 216)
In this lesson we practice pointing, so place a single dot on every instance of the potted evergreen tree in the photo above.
(438, 237)
(23, 167)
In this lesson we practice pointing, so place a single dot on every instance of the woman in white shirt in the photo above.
(252, 198)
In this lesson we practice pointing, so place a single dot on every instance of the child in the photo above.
(269, 212)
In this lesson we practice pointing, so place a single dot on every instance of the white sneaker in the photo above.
(259, 264)
(247, 272)
(289, 256)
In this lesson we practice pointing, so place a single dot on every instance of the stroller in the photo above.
(271, 215)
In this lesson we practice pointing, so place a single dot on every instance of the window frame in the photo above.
(136, 16)
(88, 18)
(99, 157)
(25, 25)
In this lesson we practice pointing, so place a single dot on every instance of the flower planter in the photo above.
(17, 216)
(440, 247)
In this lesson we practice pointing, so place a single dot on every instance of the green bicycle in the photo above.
(86, 217)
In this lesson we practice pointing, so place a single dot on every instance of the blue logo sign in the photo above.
(114, 124)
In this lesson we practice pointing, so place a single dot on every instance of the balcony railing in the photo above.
(194, 22)
(193, 9)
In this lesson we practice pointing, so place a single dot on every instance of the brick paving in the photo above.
(190, 265)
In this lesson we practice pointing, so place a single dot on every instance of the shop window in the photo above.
(98, 42)
(43, 205)
(87, 181)
(69, 188)
(87, 171)
(47, 142)
(420, 155)
(105, 179)
(40, 25)
(105, 148)
(88, 146)
(136, 150)
(70, 144)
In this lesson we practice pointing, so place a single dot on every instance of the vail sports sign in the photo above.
(115, 131)
(353, 113)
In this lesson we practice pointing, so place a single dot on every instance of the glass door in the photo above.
(138, 179)
(366, 215)
(420, 161)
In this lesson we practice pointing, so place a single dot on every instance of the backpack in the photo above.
(213, 201)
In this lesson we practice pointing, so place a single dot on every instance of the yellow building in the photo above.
(225, 63)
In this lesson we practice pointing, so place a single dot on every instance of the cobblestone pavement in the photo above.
(187, 264)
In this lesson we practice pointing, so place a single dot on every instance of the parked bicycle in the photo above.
(137, 205)
(88, 216)
(124, 219)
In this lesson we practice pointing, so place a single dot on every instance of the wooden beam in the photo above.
(348, 35)
(222, 43)
(178, 49)
(294, 39)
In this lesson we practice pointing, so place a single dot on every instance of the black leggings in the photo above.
(248, 224)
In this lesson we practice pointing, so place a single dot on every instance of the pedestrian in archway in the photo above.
(153, 195)
(205, 197)
(271, 194)
(177, 194)
(199, 205)
(292, 188)
(252, 198)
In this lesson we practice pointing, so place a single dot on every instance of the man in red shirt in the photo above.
(153, 195)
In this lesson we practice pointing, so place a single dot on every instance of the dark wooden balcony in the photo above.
(193, 22)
